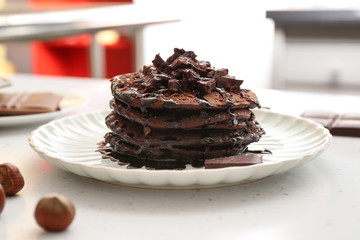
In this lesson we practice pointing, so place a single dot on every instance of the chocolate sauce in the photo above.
(162, 164)
(146, 103)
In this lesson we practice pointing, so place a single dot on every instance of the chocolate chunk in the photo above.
(211, 74)
(338, 124)
(184, 84)
(232, 161)
(346, 125)
(202, 67)
(172, 58)
(160, 64)
(228, 82)
(180, 62)
(179, 50)
(190, 54)
(174, 85)
(191, 75)
(177, 53)
(205, 85)
(177, 73)
(221, 72)
(148, 69)
(324, 118)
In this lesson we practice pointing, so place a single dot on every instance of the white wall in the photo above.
(231, 34)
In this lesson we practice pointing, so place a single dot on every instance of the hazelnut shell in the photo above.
(54, 212)
(11, 178)
(2, 198)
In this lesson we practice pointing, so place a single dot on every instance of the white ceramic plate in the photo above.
(71, 143)
(67, 105)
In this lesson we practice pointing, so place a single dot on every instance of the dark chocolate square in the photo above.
(232, 161)
(339, 124)
(346, 127)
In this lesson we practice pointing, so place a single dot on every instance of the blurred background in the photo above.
(307, 45)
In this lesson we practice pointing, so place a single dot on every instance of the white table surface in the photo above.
(319, 200)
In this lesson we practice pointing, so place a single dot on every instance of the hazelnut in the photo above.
(11, 178)
(54, 212)
(2, 198)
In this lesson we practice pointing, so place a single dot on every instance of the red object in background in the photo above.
(70, 56)
(119, 57)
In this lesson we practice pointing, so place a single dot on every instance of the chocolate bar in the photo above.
(338, 124)
(346, 125)
(232, 161)
(28, 103)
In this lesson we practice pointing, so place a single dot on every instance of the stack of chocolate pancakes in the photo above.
(179, 111)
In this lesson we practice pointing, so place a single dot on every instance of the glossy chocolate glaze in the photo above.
(181, 119)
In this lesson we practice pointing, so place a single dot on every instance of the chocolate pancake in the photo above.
(187, 154)
(177, 112)
(182, 119)
(136, 134)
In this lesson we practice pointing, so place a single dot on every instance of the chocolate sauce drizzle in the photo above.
(135, 163)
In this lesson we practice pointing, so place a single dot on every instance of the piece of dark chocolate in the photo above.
(160, 64)
(177, 53)
(190, 54)
(174, 85)
(221, 72)
(184, 84)
(338, 124)
(211, 74)
(324, 118)
(232, 161)
(28, 103)
(180, 62)
(346, 125)
(191, 75)
(228, 82)
(205, 85)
